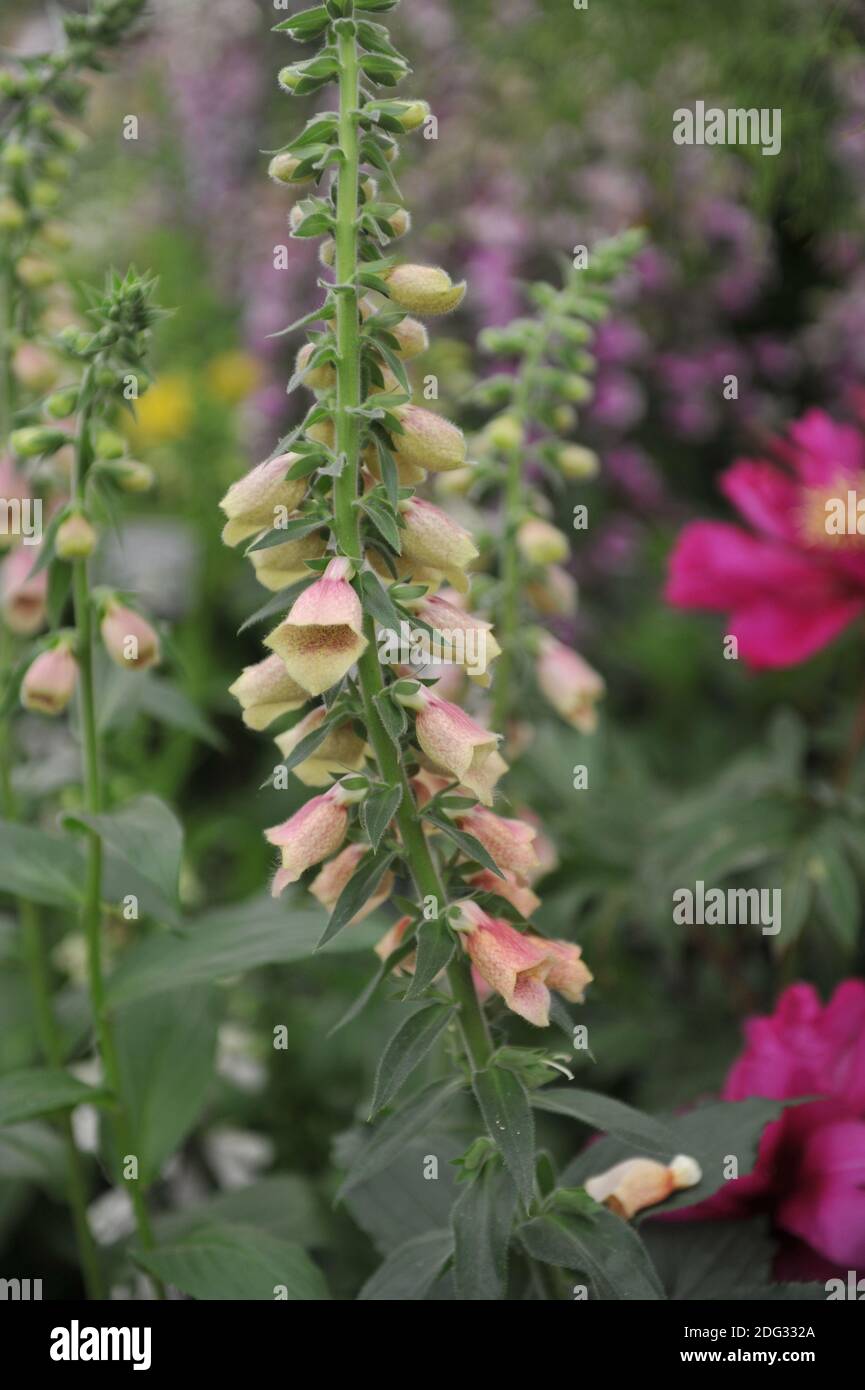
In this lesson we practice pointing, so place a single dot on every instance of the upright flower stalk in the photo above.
(405, 780)
(528, 440)
(36, 97)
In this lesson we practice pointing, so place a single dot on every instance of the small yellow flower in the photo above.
(165, 412)
(232, 376)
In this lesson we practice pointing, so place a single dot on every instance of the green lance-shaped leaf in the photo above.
(409, 1272)
(597, 1244)
(37, 1091)
(482, 1221)
(436, 944)
(415, 1037)
(610, 1116)
(504, 1104)
(472, 848)
(392, 1133)
(223, 1261)
(377, 812)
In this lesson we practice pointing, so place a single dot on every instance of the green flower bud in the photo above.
(320, 378)
(289, 78)
(577, 388)
(411, 114)
(61, 403)
(575, 461)
(35, 440)
(35, 273)
(424, 289)
(55, 235)
(110, 445)
(44, 195)
(76, 538)
(282, 169)
(564, 418)
(134, 477)
(14, 155)
(505, 432)
(12, 216)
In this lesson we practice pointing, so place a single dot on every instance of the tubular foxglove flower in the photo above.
(569, 683)
(454, 742)
(312, 834)
(128, 638)
(510, 963)
(514, 889)
(76, 538)
(336, 875)
(261, 499)
(568, 975)
(510, 842)
(265, 691)
(23, 594)
(638, 1183)
(322, 637)
(341, 752)
(468, 641)
(432, 540)
(49, 681)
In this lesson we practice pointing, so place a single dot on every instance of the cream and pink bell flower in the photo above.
(428, 441)
(509, 962)
(637, 1183)
(541, 543)
(15, 501)
(23, 595)
(265, 691)
(512, 887)
(49, 681)
(391, 941)
(568, 975)
(454, 742)
(341, 751)
(322, 637)
(277, 566)
(431, 539)
(510, 842)
(261, 499)
(336, 875)
(312, 834)
(128, 638)
(570, 684)
(469, 641)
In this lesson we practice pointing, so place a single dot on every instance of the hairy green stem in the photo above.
(426, 877)
(91, 914)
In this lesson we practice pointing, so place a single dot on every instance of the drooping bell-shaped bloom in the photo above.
(423, 289)
(455, 743)
(570, 684)
(792, 582)
(555, 594)
(513, 888)
(468, 641)
(14, 494)
(510, 842)
(569, 975)
(322, 637)
(391, 941)
(336, 874)
(312, 834)
(261, 499)
(128, 638)
(23, 595)
(265, 691)
(49, 681)
(428, 441)
(277, 566)
(509, 962)
(431, 539)
(637, 1183)
(76, 537)
(340, 752)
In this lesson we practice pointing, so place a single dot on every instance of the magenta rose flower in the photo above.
(789, 585)
(810, 1171)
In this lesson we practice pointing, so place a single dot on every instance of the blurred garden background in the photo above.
(555, 130)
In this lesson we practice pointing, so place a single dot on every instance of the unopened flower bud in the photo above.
(433, 540)
(282, 169)
(49, 681)
(577, 389)
(134, 477)
(253, 502)
(428, 440)
(564, 418)
(424, 289)
(505, 432)
(312, 834)
(570, 684)
(327, 252)
(555, 594)
(11, 215)
(541, 543)
(509, 842)
(630, 1187)
(277, 566)
(36, 369)
(129, 639)
(399, 223)
(337, 873)
(321, 378)
(75, 538)
(35, 440)
(35, 272)
(109, 444)
(62, 403)
(575, 461)
(455, 743)
(410, 114)
(23, 595)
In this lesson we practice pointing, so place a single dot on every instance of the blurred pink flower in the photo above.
(789, 586)
(810, 1171)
